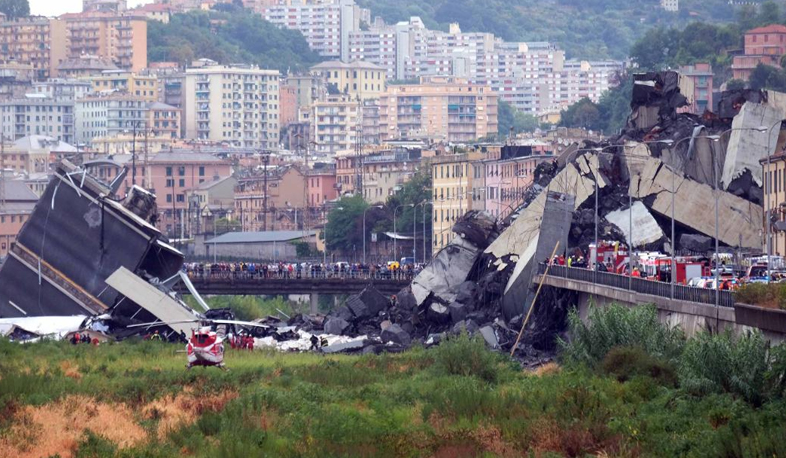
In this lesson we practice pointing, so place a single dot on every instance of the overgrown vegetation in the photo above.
(253, 307)
(771, 295)
(456, 400)
(593, 29)
(231, 36)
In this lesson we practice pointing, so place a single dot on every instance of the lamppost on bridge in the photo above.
(424, 203)
(364, 230)
(324, 252)
(395, 235)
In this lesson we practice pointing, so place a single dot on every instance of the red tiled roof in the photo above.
(774, 28)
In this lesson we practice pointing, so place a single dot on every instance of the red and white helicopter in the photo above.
(205, 347)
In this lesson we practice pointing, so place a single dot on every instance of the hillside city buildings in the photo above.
(231, 146)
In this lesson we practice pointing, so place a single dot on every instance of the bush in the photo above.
(625, 363)
(720, 363)
(466, 356)
(619, 326)
(771, 295)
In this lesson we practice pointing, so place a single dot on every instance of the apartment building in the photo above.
(62, 88)
(38, 115)
(358, 79)
(163, 120)
(109, 116)
(104, 6)
(762, 45)
(172, 176)
(237, 105)
(15, 209)
(509, 174)
(85, 66)
(321, 186)
(36, 41)
(121, 38)
(144, 87)
(385, 172)
(325, 26)
(335, 123)
(286, 200)
(702, 76)
(439, 108)
(34, 154)
(453, 188)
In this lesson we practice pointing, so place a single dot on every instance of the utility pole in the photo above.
(133, 156)
(359, 152)
(2, 168)
(174, 208)
(145, 174)
(266, 161)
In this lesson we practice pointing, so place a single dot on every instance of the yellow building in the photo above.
(453, 192)
(360, 80)
(35, 41)
(145, 87)
(439, 108)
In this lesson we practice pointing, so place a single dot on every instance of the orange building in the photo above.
(120, 38)
(439, 108)
(763, 45)
(35, 41)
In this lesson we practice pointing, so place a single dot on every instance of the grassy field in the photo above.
(135, 399)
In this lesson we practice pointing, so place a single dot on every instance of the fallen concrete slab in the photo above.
(748, 146)
(645, 229)
(739, 219)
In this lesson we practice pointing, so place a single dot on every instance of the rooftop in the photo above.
(774, 28)
(178, 157)
(358, 64)
(261, 237)
(18, 191)
(36, 142)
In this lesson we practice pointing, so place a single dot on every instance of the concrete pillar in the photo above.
(314, 303)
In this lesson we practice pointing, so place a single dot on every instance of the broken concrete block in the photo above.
(466, 292)
(405, 300)
(645, 229)
(395, 334)
(438, 313)
(358, 307)
(385, 324)
(350, 346)
(490, 336)
(747, 146)
(696, 243)
(344, 313)
(695, 206)
(450, 268)
(374, 300)
(468, 326)
(458, 311)
(335, 325)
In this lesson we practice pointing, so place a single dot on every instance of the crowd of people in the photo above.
(296, 270)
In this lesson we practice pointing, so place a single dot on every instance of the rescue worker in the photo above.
(636, 273)
(323, 342)
(156, 336)
(314, 343)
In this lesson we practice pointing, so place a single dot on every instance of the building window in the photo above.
(169, 198)
(182, 183)
(169, 171)
(170, 182)
(181, 171)
(181, 198)
(201, 170)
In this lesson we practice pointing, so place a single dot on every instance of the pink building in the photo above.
(287, 103)
(702, 77)
(763, 45)
(321, 187)
(15, 210)
(508, 177)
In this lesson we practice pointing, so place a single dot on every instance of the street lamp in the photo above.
(364, 230)
(324, 252)
(395, 235)
(424, 203)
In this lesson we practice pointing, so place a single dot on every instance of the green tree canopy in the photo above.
(14, 9)
(231, 36)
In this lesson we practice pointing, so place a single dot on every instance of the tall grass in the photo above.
(619, 326)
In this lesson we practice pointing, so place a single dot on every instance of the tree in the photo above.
(768, 77)
(735, 84)
(584, 113)
(344, 229)
(512, 119)
(14, 9)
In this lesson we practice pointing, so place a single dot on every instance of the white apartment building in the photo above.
(335, 124)
(670, 5)
(109, 116)
(326, 26)
(238, 105)
(63, 88)
(38, 115)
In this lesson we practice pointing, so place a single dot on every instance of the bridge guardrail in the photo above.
(640, 285)
(328, 276)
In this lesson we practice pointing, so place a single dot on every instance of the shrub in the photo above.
(720, 363)
(625, 363)
(764, 295)
(619, 326)
(466, 356)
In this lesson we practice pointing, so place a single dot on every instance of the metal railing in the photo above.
(260, 275)
(641, 285)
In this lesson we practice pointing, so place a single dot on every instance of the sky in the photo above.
(58, 7)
